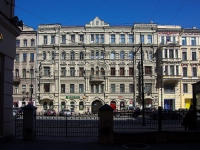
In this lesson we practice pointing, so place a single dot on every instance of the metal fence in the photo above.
(67, 126)
(163, 120)
(18, 126)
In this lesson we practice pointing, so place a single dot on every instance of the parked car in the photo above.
(50, 112)
(19, 110)
(148, 111)
(15, 113)
(128, 111)
(65, 112)
(166, 114)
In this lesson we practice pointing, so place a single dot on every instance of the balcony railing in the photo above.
(16, 79)
(97, 78)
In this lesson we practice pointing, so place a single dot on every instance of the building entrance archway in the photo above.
(95, 106)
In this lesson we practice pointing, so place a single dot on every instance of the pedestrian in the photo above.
(188, 120)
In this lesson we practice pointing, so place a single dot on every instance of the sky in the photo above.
(115, 12)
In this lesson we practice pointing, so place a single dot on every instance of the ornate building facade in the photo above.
(84, 67)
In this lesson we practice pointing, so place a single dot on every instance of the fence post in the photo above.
(106, 135)
(159, 118)
(29, 122)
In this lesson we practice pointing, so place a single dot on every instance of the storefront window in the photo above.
(72, 106)
(44, 105)
(122, 105)
(51, 105)
(81, 106)
(63, 106)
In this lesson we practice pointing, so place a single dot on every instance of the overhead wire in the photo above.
(155, 9)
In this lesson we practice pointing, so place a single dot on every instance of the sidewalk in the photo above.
(86, 144)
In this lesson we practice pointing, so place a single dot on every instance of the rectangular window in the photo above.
(31, 73)
(112, 38)
(122, 90)
(166, 70)
(32, 42)
(63, 71)
(92, 88)
(176, 53)
(169, 88)
(168, 38)
(46, 87)
(45, 40)
(53, 39)
(81, 72)
(130, 71)
(148, 88)
(113, 88)
(72, 72)
(31, 56)
(82, 38)
(17, 43)
(184, 71)
(122, 38)
(81, 88)
(193, 41)
(24, 73)
(131, 88)
(171, 53)
(46, 71)
(71, 88)
(102, 38)
(148, 70)
(130, 38)
(184, 55)
(194, 57)
(171, 70)
(92, 38)
(149, 38)
(166, 56)
(97, 89)
(184, 42)
(112, 71)
(44, 56)
(97, 38)
(121, 71)
(24, 57)
(177, 70)
(63, 39)
(73, 38)
(185, 88)
(194, 72)
(162, 40)
(102, 88)
(25, 43)
(62, 88)
(141, 38)
(16, 89)
(17, 57)
(23, 89)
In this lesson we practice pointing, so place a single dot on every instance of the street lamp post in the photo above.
(31, 85)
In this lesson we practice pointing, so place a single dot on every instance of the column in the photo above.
(163, 54)
(167, 53)
(174, 53)
(94, 88)
(174, 69)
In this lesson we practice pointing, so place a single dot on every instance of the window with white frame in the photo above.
(31, 73)
(131, 88)
(31, 89)
(112, 38)
(166, 70)
(185, 88)
(148, 88)
(168, 38)
(97, 55)
(113, 88)
(71, 88)
(162, 40)
(81, 55)
(194, 57)
(81, 38)
(46, 87)
(44, 56)
(194, 71)
(149, 38)
(45, 40)
(102, 38)
(25, 42)
(184, 71)
(24, 57)
(184, 41)
(53, 55)
(32, 42)
(53, 39)
(31, 56)
(165, 53)
(97, 88)
(16, 89)
(130, 56)
(92, 54)
(63, 71)
(101, 88)
(92, 38)
(176, 53)
(72, 72)
(17, 43)
(122, 38)
(130, 38)
(63, 39)
(177, 70)
(97, 38)
(193, 41)
(81, 88)
(171, 53)
(150, 55)
(102, 55)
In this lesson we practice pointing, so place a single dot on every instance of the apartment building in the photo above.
(84, 67)
(24, 68)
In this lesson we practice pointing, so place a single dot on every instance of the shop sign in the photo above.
(1, 36)
(120, 97)
(72, 97)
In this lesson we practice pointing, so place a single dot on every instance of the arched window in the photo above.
(81, 105)
(72, 56)
(130, 55)
(45, 106)
(102, 71)
(63, 56)
(97, 55)
(150, 55)
(112, 55)
(97, 71)
(121, 55)
(81, 55)
(16, 73)
(122, 105)
(51, 105)
(24, 73)
(92, 55)
(44, 56)
(92, 71)
(63, 106)
(53, 56)
(72, 106)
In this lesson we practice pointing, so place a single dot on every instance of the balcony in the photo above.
(97, 78)
(175, 60)
(16, 79)
(172, 77)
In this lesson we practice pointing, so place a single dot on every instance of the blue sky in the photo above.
(116, 12)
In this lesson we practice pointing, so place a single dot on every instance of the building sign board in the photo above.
(72, 97)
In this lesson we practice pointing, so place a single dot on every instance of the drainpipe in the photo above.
(59, 68)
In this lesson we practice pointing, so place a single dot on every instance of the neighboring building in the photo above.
(169, 66)
(190, 51)
(24, 68)
(8, 33)
(83, 67)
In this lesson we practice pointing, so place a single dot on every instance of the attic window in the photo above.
(97, 23)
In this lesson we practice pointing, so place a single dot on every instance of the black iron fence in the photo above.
(18, 125)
